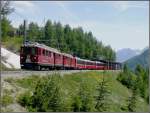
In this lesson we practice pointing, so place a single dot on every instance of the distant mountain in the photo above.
(142, 59)
(126, 53)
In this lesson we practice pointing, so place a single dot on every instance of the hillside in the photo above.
(142, 59)
(70, 40)
(70, 85)
(125, 54)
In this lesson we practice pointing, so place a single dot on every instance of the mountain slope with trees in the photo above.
(70, 40)
(142, 59)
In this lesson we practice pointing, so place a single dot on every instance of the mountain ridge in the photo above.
(142, 59)
(126, 53)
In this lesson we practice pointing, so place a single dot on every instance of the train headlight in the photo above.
(21, 57)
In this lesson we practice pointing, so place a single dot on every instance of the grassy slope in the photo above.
(70, 83)
(12, 43)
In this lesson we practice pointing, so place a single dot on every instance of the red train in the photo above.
(37, 56)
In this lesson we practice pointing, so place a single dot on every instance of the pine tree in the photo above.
(77, 104)
(101, 98)
(132, 100)
(20, 30)
(49, 34)
(142, 80)
(33, 32)
(48, 95)
(6, 27)
(54, 94)
(6, 8)
(84, 100)
(86, 95)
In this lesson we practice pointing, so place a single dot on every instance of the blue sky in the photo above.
(121, 24)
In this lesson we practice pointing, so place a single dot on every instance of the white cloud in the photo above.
(24, 6)
(67, 12)
(28, 4)
(70, 17)
(125, 5)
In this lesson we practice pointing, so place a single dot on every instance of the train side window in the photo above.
(49, 54)
(43, 52)
(39, 51)
(46, 53)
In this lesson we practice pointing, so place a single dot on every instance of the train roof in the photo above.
(35, 44)
(98, 62)
(84, 60)
(68, 55)
(106, 61)
(89, 60)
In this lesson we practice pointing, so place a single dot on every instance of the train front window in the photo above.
(33, 51)
(29, 50)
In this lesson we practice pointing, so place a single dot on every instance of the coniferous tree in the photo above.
(101, 98)
(77, 104)
(33, 32)
(133, 99)
(20, 30)
(142, 80)
(6, 27)
(60, 36)
(84, 100)
(48, 95)
(6, 8)
(49, 34)
(86, 95)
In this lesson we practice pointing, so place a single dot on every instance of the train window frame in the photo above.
(43, 52)
(39, 51)
(49, 54)
(80, 62)
(46, 53)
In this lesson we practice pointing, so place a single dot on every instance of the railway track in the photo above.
(5, 74)
(20, 74)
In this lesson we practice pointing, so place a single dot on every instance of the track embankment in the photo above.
(5, 74)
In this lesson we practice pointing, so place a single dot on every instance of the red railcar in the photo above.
(58, 60)
(69, 62)
(100, 66)
(45, 57)
(90, 64)
(29, 57)
(80, 63)
(37, 56)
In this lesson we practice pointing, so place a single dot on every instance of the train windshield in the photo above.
(28, 50)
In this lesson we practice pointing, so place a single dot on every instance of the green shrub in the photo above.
(25, 99)
(6, 100)
(48, 94)
(28, 82)
(9, 80)
(74, 92)
(12, 44)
